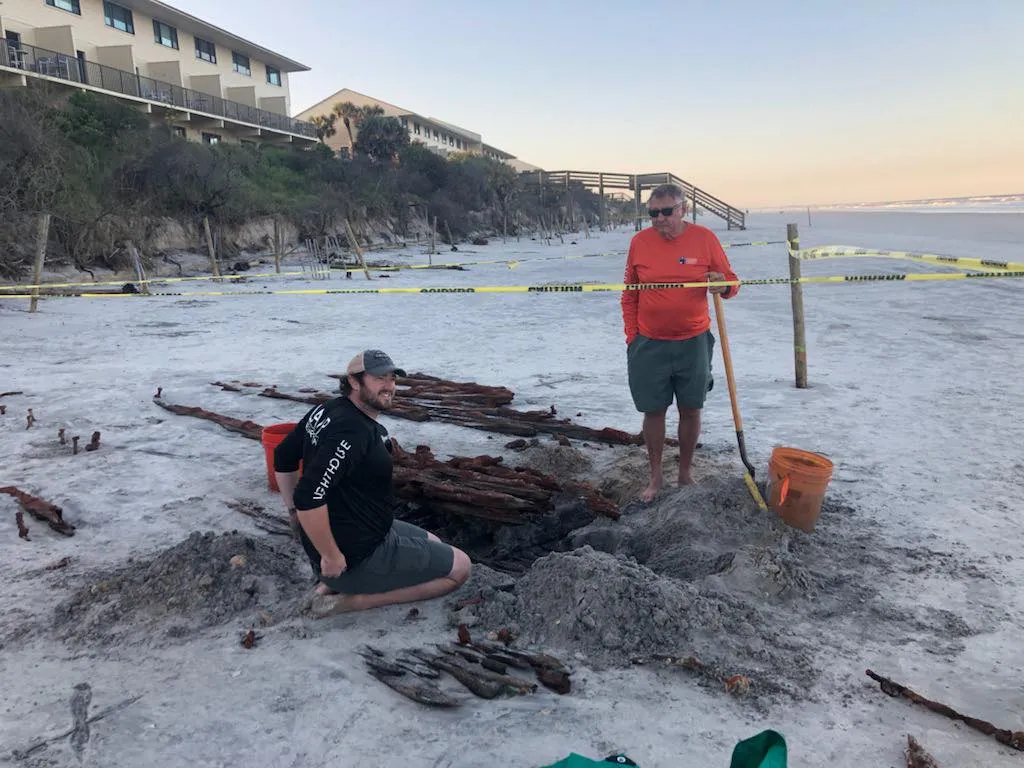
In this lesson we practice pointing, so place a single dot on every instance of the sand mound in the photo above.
(562, 461)
(202, 582)
(703, 572)
(611, 610)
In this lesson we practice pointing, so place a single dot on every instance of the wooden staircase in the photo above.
(698, 198)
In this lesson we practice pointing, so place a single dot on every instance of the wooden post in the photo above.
(694, 211)
(214, 267)
(636, 202)
(139, 271)
(355, 245)
(433, 240)
(451, 240)
(808, 215)
(278, 244)
(796, 292)
(42, 237)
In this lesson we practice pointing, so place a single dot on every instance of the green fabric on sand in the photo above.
(765, 750)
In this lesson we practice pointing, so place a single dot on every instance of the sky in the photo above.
(787, 102)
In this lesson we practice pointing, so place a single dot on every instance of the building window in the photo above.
(211, 138)
(241, 63)
(118, 17)
(66, 5)
(165, 34)
(206, 50)
(178, 131)
(416, 128)
(273, 76)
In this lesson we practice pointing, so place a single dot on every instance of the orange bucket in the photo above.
(271, 438)
(799, 480)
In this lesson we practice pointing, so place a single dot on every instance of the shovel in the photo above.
(748, 475)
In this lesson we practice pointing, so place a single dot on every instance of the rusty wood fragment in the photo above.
(41, 509)
(226, 387)
(74, 445)
(917, 756)
(249, 639)
(7, 394)
(19, 519)
(30, 419)
(554, 680)
(420, 691)
(94, 442)
(249, 429)
(3, 410)
(64, 562)
(1010, 738)
(277, 525)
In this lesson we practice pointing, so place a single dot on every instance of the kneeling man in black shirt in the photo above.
(344, 501)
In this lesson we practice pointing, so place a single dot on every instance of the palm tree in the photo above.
(352, 116)
(324, 126)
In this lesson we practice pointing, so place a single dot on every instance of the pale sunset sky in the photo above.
(761, 103)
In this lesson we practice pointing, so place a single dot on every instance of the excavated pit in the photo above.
(699, 572)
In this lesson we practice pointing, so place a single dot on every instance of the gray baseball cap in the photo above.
(374, 362)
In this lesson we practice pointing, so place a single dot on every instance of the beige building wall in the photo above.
(435, 134)
(65, 32)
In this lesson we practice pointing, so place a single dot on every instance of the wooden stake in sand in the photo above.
(355, 246)
(42, 236)
(214, 267)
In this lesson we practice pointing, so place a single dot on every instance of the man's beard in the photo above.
(377, 402)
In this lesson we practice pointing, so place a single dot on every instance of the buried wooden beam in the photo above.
(40, 509)
(468, 487)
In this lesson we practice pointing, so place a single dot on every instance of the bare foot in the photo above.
(652, 490)
(323, 606)
(685, 478)
(323, 589)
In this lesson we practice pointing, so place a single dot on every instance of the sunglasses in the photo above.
(666, 212)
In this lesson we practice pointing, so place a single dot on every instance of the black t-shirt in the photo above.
(346, 464)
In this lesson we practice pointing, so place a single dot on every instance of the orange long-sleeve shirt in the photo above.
(672, 313)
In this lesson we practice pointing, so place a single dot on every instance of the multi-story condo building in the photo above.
(444, 138)
(205, 82)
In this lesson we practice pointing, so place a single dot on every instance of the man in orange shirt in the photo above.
(668, 336)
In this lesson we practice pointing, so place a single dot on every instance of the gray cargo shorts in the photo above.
(405, 558)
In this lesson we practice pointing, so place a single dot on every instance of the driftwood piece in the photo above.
(19, 520)
(1010, 738)
(420, 691)
(917, 756)
(555, 681)
(21, 754)
(483, 682)
(277, 525)
(7, 394)
(41, 509)
(249, 429)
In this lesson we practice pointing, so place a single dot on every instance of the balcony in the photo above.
(39, 61)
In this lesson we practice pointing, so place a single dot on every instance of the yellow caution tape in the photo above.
(510, 263)
(842, 251)
(561, 288)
